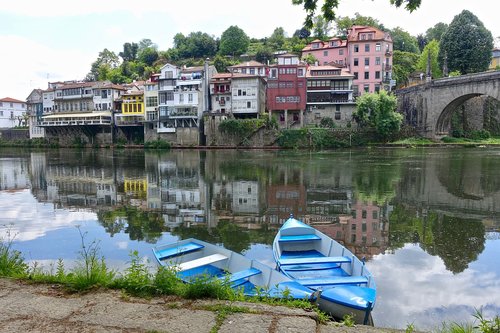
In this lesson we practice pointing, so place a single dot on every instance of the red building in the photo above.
(286, 90)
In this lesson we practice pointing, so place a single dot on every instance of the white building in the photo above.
(12, 112)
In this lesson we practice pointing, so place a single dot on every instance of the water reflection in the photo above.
(420, 217)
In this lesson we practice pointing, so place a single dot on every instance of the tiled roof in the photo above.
(76, 85)
(356, 30)
(251, 63)
(308, 47)
(343, 71)
(11, 100)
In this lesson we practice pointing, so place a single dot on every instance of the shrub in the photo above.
(11, 261)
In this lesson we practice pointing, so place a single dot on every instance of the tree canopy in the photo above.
(403, 41)
(234, 41)
(378, 111)
(343, 23)
(433, 48)
(466, 44)
(329, 7)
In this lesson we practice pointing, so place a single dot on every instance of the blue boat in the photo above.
(311, 258)
(192, 259)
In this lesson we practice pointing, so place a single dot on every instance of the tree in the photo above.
(329, 7)
(404, 64)
(321, 27)
(105, 62)
(433, 49)
(234, 41)
(302, 33)
(195, 45)
(403, 41)
(148, 55)
(378, 111)
(129, 52)
(466, 44)
(436, 32)
(310, 59)
(263, 54)
(344, 23)
(277, 39)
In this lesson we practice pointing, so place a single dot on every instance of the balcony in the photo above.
(388, 52)
(387, 67)
(76, 119)
(125, 120)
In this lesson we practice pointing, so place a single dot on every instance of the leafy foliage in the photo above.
(378, 111)
(466, 44)
(403, 41)
(343, 23)
(404, 64)
(233, 41)
(329, 7)
(321, 27)
(11, 261)
(436, 32)
(433, 49)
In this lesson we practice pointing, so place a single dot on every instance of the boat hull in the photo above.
(343, 284)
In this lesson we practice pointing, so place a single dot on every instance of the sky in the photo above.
(55, 40)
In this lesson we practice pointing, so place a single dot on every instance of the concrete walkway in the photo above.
(45, 308)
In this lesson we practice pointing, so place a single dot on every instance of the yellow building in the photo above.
(495, 59)
(132, 108)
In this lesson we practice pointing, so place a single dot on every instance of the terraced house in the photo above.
(366, 53)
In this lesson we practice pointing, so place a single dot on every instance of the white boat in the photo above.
(193, 258)
(311, 258)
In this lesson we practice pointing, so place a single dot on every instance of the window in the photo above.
(249, 105)
(355, 75)
(274, 73)
(377, 47)
(367, 47)
(377, 74)
(377, 88)
(367, 61)
(367, 75)
(169, 74)
(170, 95)
(300, 72)
(377, 61)
(356, 48)
(341, 52)
(356, 61)
(181, 98)
(337, 115)
(366, 88)
(325, 53)
(363, 214)
(252, 70)
(190, 97)
(374, 215)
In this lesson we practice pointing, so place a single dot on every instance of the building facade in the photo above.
(366, 53)
(286, 91)
(495, 59)
(329, 94)
(34, 109)
(12, 113)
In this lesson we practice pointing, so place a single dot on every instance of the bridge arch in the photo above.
(429, 107)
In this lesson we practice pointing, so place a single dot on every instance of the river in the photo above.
(427, 220)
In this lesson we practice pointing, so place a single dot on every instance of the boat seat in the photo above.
(314, 260)
(241, 275)
(338, 280)
(298, 238)
(178, 250)
(202, 261)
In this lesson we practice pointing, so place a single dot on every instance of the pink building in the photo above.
(367, 54)
(332, 51)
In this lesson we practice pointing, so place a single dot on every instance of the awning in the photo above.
(78, 115)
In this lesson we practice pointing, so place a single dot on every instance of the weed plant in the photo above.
(11, 261)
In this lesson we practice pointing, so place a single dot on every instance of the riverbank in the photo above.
(27, 307)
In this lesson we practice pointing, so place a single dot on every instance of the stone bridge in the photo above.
(428, 107)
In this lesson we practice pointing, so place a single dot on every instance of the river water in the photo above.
(426, 220)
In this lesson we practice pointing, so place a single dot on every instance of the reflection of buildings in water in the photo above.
(241, 202)
(326, 204)
(174, 188)
(135, 191)
(284, 200)
(365, 231)
(14, 174)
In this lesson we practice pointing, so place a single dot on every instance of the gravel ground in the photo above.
(28, 307)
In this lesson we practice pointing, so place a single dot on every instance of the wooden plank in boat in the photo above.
(202, 261)
(333, 281)
(177, 250)
(299, 238)
(314, 260)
